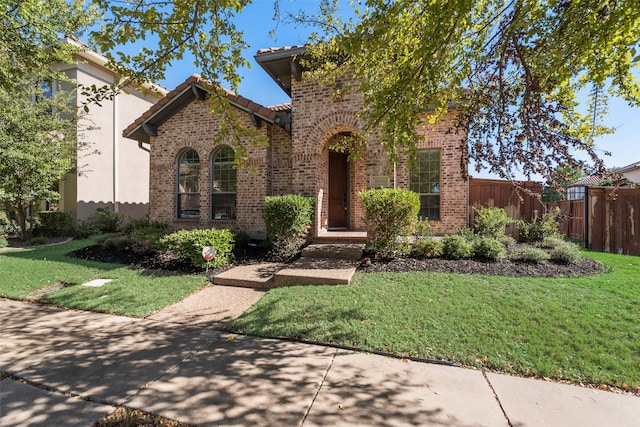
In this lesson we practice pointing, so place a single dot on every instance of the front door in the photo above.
(338, 202)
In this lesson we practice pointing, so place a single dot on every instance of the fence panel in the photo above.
(614, 220)
(519, 203)
(571, 218)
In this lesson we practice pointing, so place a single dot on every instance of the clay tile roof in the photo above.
(280, 107)
(277, 49)
(589, 180)
(164, 107)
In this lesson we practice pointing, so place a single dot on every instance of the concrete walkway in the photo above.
(71, 367)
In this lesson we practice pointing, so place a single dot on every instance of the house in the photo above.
(193, 182)
(108, 173)
(631, 172)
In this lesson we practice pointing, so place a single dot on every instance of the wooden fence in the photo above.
(521, 202)
(571, 218)
(613, 220)
(607, 219)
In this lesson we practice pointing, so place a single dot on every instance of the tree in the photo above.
(203, 29)
(37, 126)
(513, 69)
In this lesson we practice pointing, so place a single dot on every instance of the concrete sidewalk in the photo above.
(85, 363)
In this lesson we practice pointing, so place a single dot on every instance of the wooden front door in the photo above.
(338, 194)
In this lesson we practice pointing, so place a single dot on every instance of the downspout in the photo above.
(116, 165)
(395, 175)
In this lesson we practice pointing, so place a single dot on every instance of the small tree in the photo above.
(390, 216)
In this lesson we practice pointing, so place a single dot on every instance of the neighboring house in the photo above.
(194, 184)
(631, 172)
(109, 173)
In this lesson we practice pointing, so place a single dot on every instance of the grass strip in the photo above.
(49, 275)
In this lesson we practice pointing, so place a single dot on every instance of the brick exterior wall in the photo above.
(299, 163)
(195, 127)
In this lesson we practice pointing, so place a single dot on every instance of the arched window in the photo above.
(188, 188)
(223, 185)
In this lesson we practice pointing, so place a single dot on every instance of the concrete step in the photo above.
(258, 276)
(349, 251)
(316, 271)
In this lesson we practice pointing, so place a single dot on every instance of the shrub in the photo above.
(188, 244)
(288, 220)
(507, 241)
(40, 240)
(3, 242)
(456, 247)
(118, 243)
(241, 239)
(490, 222)
(540, 228)
(552, 242)
(421, 228)
(467, 234)
(5, 224)
(427, 248)
(54, 223)
(530, 255)
(566, 253)
(145, 232)
(104, 220)
(389, 216)
(489, 248)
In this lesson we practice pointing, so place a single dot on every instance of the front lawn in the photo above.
(580, 329)
(48, 275)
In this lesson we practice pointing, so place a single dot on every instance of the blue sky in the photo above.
(257, 21)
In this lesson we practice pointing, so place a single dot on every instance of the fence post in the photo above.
(587, 220)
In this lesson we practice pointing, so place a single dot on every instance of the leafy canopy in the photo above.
(513, 69)
(37, 124)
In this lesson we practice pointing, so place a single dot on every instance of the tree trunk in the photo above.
(21, 213)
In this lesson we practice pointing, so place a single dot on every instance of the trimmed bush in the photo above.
(54, 223)
(530, 255)
(422, 228)
(552, 242)
(104, 220)
(145, 232)
(427, 248)
(456, 247)
(118, 243)
(540, 228)
(566, 253)
(507, 241)
(3, 242)
(188, 244)
(288, 221)
(491, 222)
(490, 249)
(389, 216)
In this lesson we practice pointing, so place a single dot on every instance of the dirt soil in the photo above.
(152, 260)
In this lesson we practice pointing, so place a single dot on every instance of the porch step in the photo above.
(341, 237)
(320, 264)
(316, 271)
(347, 251)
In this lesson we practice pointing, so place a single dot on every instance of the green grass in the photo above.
(581, 329)
(28, 273)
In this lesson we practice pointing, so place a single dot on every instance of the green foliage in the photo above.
(422, 228)
(3, 242)
(521, 65)
(5, 224)
(146, 232)
(566, 253)
(188, 245)
(40, 240)
(507, 241)
(241, 239)
(456, 247)
(490, 221)
(540, 228)
(37, 139)
(389, 216)
(467, 234)
(288, 220)
(552, 242)
(427, 248)
(104, 220)
(54, 223)
(530, 255)
(489, 248)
